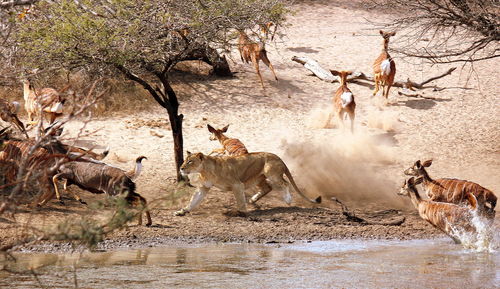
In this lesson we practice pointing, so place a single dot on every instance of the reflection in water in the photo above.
(332, 264)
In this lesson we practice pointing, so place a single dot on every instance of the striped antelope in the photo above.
(42, 160)
(453, 190)
(47, 100)
(384, 67)
(444, 216)
(343, 100)
(230, 146)
(8, 113)
(98, 178)
(254, 52)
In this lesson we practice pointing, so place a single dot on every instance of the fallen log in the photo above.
(351, 216)
(360, 78)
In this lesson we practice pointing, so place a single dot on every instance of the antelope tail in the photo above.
(134, 174)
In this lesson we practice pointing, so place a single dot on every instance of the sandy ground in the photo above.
(457, 128)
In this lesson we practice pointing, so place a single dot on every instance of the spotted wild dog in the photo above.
(446, 217)
(254, 52)
(384, 67)
(343, 100)
(453, 190)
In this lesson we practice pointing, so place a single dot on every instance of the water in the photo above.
(435, 263)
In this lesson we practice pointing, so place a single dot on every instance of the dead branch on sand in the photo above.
(361, 78)
(353, 218)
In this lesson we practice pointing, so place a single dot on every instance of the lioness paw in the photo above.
(234, 213)
(181, 212)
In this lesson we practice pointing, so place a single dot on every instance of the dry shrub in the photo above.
(349, 167)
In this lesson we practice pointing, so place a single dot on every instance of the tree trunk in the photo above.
(176, 125)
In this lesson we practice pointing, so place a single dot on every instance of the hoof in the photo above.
(181, 212)
(61, 202)
(149, 224)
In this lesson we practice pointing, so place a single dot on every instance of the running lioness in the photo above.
(237, 173)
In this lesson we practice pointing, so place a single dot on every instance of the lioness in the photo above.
(237, 173)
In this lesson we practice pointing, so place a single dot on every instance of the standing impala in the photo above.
(384, 67)
(343, 100)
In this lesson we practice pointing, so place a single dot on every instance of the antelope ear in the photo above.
(334, 72)
(427, 163)
(210, 128)
(418, 164)
(188, 153)
(224, 129)
(404, 184)
(381, 32)
(411, 181)
(393, 33)
(349, 72)
(419, 180)
(201, 156)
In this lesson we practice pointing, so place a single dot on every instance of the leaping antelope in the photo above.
(444, 216)
(47, 100)
(453, 190)
(384, 67)
(8, 113)
(343, 100)
(254, 52)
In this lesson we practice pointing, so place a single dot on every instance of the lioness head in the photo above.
(192, 164)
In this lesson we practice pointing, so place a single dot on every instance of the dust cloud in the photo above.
(352, 168)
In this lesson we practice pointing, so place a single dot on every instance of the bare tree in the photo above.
(447, 31)
(141, 40)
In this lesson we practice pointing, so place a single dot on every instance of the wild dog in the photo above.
(8, 113)
(453, 190)
(230, 146)
(343, 100)
(47, 100)
(384, 67)
(236, 174)
(446, 217)
(254, 52)
(98, 178)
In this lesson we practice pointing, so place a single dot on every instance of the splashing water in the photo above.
(481, 239)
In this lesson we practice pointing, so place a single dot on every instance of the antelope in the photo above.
(230, 146)
(42, 159)
(343, 100)
(265, 28)
(47, 100)
(98, 177)
(254, 52)
(444, 216)
(8, 113)
(453, 190)
(384, 67)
